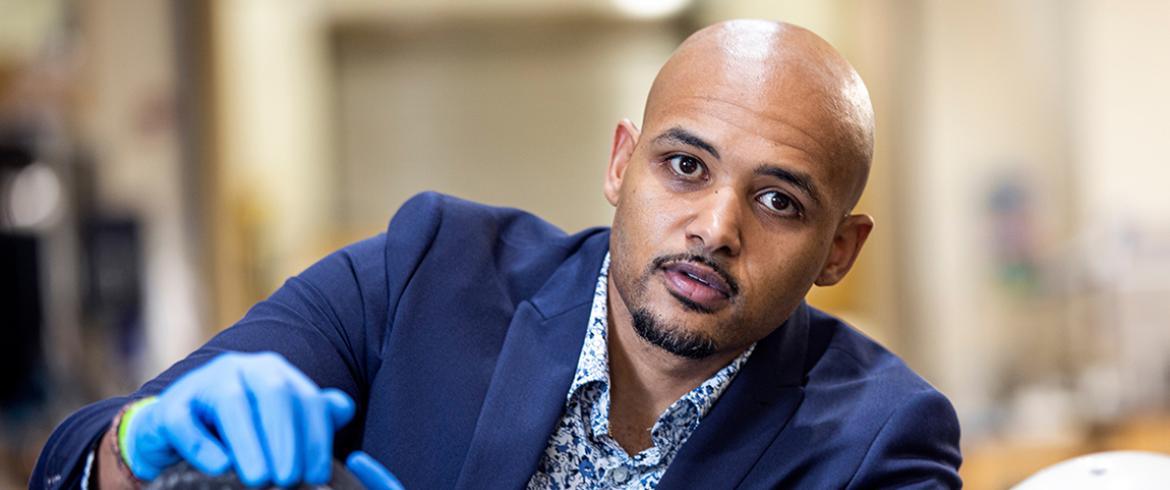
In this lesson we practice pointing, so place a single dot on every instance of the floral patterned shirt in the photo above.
(581, 453)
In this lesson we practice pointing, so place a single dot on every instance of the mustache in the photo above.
(663, 260)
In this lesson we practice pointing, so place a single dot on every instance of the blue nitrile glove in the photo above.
(371, 473)
(273, 423)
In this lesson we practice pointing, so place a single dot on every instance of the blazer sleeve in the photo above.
(917, 447)
(329, 321)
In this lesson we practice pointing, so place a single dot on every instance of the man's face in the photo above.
(729, 208)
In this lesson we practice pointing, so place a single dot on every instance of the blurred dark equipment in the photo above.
(112, 296)
(65, 263)
(21, 320)
(184, 477)
(20, 352)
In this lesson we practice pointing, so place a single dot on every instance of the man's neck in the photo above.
(645, 379)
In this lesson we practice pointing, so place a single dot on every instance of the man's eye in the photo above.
(778, 202)
(686, 166)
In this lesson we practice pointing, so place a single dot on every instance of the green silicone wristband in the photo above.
(124, 424)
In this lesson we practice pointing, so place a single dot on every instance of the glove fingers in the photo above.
(185, 434)
(340, 406)
(276, 411)
(233, 415)
(148, 454)
(371, 473)
(317, 433)
(322, 411)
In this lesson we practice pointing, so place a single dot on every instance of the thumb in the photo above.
(371, 473)
(151, 441)
(340, 406)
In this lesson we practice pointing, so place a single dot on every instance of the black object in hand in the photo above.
(182, 476)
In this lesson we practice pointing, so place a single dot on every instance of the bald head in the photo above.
(791, 78)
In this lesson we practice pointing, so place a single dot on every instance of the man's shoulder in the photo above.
(454, 241)
(868, 413)
(855, 367)
(454, 215)
(850, 352)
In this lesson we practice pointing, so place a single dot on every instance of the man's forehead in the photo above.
(737, 119)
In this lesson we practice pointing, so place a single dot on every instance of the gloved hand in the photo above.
(371, 473)
(273, 423)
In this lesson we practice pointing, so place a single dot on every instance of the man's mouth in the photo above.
(697, 286)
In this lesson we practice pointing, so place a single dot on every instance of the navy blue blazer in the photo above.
(458, 331)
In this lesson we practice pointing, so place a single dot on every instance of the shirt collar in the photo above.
(593, 365)
(682, 417)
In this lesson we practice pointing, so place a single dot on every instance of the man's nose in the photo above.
(715, 226)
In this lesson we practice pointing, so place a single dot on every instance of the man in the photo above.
(479, 347)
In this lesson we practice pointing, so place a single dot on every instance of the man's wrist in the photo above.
(115, 463)
(122, 427)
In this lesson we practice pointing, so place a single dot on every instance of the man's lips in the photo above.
(698, 286)
(702, 274)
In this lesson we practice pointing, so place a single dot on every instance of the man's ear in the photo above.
(625, 137)
(847, 242)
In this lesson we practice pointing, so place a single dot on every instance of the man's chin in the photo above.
(672, 337)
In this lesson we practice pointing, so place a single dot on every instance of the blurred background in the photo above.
(165, 164)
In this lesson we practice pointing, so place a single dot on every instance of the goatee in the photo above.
(674, 340)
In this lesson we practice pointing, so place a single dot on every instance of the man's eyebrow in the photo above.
(685, 137)
(798, 179)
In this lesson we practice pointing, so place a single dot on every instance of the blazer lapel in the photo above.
(749, 415)
(533, 374)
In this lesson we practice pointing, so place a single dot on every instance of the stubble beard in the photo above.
(673, 339)
(657, 331)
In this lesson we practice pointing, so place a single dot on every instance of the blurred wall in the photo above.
(129, 129)
(1119, 109)
(990, 120)
(510, 113)
(1036, 129)
(269, 165)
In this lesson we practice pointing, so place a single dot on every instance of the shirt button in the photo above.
(620, 474)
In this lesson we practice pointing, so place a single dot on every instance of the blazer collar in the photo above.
(535, 368)
(749, 415)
